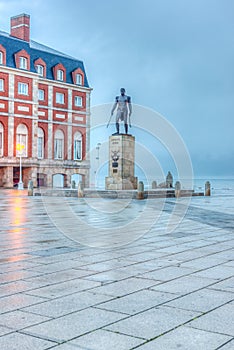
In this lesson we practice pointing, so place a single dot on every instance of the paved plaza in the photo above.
(103, 274)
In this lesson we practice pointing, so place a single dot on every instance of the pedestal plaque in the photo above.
(121, 163)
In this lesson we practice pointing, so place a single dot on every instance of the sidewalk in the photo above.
(165, 290)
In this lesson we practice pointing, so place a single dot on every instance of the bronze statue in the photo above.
(124, 109)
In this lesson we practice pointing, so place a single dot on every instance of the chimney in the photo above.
(20, 27)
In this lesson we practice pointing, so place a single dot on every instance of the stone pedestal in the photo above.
(121, 163)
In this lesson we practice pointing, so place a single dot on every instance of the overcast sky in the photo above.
(174, 56)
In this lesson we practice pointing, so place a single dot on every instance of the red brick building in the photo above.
(44, 108)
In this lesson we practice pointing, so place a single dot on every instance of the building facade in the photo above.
(44, 112)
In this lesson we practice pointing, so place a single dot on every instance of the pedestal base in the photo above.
(113, 183)
(121, 163)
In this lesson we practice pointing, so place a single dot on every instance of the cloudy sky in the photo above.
(173, 56)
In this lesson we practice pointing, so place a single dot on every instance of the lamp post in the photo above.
(19, 148)
(97, 158)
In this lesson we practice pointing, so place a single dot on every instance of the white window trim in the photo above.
(60, 98)
(41, 94)
(79, 79)
(40, 70)
(1, 57)
(1, 140)
(2, 85)
(78, 101)
(60, 75)
(57, 143)
(23, 62)
(40, 145)
(22, 89)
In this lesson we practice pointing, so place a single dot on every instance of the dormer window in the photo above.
(79, 79)
(40, 70)
(59, 74)
(1, 57)
(23, 63)
(78, 76)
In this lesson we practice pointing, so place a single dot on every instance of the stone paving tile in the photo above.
(204, 263)
(185, 338)
(219, 272)
(226, 285)
(17, 341)
(16, 287)
(17, 301)
(106, 340)
(64, 288)
(19, 319)
(60, 276)
(153, 322)
(168, 273)
(73, 325)
(183, 285)
(69, 346)
(67, 304)
(219, 320)
(118, 289)
(137, 302)
(203, 300)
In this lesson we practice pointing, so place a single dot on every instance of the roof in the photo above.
(36, 50)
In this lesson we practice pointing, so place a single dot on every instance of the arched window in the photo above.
(58, 145)
(40, 143)
(77, 146)
(22, 140)
(1, 139)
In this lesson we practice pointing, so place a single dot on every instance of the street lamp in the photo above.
(19, 148)
(97, 158)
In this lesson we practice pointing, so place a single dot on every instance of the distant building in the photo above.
(44, 108)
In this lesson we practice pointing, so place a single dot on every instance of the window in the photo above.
(1, 139)
(21, 140)
(40, 143)
(1, 84)
(41, 95)
(77, 146)
(1, 57)
(23, 62)
(78, 79)
(60, 75)
(78, 101)
(58, 144)
(59, 98)
(40, 69)
(22, 89)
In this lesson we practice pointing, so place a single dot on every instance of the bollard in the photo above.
(154, 185)
(80, 190)
(30, 188)
(140, 193)
(177, 189)
(169, 180)
(207, 188)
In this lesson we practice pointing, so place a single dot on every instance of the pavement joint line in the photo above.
(223, 345)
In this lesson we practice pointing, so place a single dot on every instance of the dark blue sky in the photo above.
(174, 56)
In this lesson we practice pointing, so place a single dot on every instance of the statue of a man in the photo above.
(124, 108)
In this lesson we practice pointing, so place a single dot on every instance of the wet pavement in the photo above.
(102, 274)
